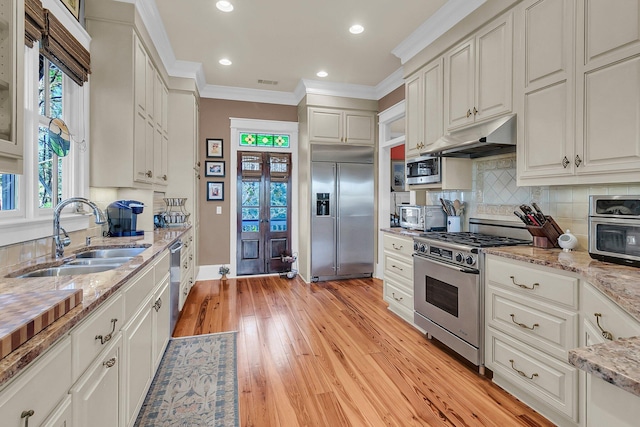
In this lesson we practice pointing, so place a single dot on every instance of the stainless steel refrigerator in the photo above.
(342, 212)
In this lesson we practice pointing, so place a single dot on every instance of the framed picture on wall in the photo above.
(214, 147)
(215, 191)
(73, 6)
(213, 168)
(397, 175)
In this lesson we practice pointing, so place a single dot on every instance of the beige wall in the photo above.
(214, 123)
(391, 98)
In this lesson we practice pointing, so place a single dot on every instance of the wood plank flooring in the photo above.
(331, 354)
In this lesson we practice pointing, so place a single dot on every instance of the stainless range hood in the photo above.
(485, 139)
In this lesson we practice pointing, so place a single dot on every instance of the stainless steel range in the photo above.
(448, 271)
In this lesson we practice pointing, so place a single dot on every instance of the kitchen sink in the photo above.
(99, 261)
(111, 253)
(68, 270)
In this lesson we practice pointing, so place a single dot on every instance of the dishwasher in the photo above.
(175, 277)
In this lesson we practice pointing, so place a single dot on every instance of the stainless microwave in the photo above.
(614, 229)
(423, 170)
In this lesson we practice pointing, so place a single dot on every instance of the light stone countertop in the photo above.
(402, 232)
(617, 362)
(96, 287)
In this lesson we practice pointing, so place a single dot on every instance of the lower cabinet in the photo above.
(96, 395)
(62, 416)
(161, 313)
(398, 275)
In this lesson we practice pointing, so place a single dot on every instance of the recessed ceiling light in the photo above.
(225, 61)
(356, 29)
(224, 6)
(322, 74)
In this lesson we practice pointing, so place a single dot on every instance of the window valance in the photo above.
(59, 45)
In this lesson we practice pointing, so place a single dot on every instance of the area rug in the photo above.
(196, 384)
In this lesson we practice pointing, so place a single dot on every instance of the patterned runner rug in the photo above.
(196, 384)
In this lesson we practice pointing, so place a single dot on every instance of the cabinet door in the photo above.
(11, 85)
(414, 119)
(96, 395)
(160, 147)
(359, 127)
(140, 76)
(161, 320)
(433, 75)
(494, 72)
(544, 79)
(459, 83)
(150, 82)
(325, 125)
(62, 416)
(137, 361)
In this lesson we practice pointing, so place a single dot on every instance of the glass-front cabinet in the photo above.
(11, 84)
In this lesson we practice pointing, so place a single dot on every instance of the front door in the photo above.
(263, 212)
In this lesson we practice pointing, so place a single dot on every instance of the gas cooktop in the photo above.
(475, 240)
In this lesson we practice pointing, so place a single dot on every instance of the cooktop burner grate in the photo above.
(476, 240)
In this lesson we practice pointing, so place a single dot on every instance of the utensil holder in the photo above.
(453, 224)
(546, 235)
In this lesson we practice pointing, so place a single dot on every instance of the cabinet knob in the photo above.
(158, 304)
(565, 162)
(578, 160)
(106, 338)
(475, 111)
(149, 174)
(468, 113)
(164, 177)
(605, 334)
(26, 415)
(109, 363)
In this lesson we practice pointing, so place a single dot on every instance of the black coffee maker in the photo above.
(123, 217)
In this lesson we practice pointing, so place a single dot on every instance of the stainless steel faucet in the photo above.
(58, 243)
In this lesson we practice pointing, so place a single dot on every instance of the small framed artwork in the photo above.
(214, 168)
(397, 175)
(215, 190)
(214, 147)
(73, 6)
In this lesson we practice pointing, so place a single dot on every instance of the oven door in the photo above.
(449, 296)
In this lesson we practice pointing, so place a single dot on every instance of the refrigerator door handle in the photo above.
(336, 228)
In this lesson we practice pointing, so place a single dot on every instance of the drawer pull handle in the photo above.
(109, 363)
(397, 248)
(26, 415)
(106, 338)
(393, 294)
(468, 113)
(522, 373)
(513, 279)
(158, 304)
(396, 267)
(605, 334)
(522, 325)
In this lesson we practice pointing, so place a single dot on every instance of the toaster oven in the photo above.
(424, 218)
(614, 229)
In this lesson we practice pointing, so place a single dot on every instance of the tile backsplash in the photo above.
(495, 195)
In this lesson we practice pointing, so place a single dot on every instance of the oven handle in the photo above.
(452, 267)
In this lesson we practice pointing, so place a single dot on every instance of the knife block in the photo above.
(546, 235)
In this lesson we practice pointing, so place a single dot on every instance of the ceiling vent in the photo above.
(267, 82)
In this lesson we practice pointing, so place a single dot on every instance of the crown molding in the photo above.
(389, 84)
(439, 23)
(248, 95)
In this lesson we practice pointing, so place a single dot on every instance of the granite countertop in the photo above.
(96, 288)
(402, 231)
(617, 361)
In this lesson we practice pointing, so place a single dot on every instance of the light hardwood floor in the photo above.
(331, 354)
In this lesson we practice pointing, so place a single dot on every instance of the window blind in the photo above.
(59, 45)
(33, 21)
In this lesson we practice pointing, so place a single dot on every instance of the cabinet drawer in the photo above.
(39, 388)
(86, 343)
(136, 291)
(398, 266)
(402, 246)
(541, 325)
(396, 294)
(549, 380)
(612, 319)
(538, 282)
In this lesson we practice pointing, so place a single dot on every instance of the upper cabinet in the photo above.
(11, 85)
(424, 101)
(478, 76)
(333, 125)
(578, 92)
(129, 130)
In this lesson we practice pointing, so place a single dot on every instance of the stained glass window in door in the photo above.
(251, 206)
(278, 206)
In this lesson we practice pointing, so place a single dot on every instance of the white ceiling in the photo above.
(288, 41)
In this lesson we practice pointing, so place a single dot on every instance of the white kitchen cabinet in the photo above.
(424, 92)
(606, 404)
(128, 106)
(62, 416)
(53, 370)
(531, 322)
(586, 135)
(161, 304)
(398, 275)
(478, 76)
(330, 125)
(456, 174)
(96, 395)
(11, 85)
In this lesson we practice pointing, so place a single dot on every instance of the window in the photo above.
(264, 140)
